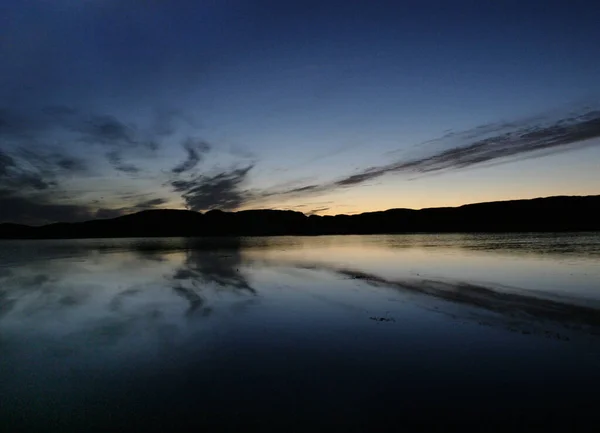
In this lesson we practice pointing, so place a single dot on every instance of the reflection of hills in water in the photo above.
(583, 244)
(545, 244)
(214, 267)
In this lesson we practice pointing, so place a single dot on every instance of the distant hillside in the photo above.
(541, 214)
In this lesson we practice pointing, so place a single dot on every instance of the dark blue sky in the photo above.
(108, 107)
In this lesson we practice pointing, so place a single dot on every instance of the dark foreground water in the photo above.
(300, 334)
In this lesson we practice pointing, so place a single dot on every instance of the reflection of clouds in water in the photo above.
(32, 293)
(117, 300)
(512, 308)
(530, 314)
(153, 290)
(220, 268)
(210, 270)
(148, 253)
(185, 328)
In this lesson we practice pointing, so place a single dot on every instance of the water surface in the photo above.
(292, 333)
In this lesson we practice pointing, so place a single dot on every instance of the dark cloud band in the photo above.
(221, 191)
(477, 147)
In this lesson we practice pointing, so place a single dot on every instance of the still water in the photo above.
(299, 333)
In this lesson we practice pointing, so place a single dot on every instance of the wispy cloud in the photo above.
(514, 142)
(36, 127)
(38, 170)
(317, 211)
(106, 130)
(105, 213)
(40, 209)
(71, 164)
(221, 191)
(477, 147)
(115, 158)
(148, 204)
(115, 135)
(195, 149)
(25, 171)
(34, 165)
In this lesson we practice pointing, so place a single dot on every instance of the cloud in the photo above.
(24, 171)
(110, 131)
(482, 145)
(221, 191)
(316, 211)
(36, 127)
(71, 164)
(150, 203)
(195, 149)
(28, 165)
(39, 209)
(6, 162)
(94, 128)
(104, 213)
(115, 159)
(118, 136)
(41, 147)
(307, 188)
(516, 141)
(110, 213)
(106, 130)
(165, 121)
(30, 187)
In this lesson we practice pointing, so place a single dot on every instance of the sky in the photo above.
(108, 107)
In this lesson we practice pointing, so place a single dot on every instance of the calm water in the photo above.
(297, 333)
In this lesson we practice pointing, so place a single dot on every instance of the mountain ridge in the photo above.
(556, 213)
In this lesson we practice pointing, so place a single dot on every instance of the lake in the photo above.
(300, 333)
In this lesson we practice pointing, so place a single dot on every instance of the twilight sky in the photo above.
(112, 106)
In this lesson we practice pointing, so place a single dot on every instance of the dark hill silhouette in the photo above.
(575, 213)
